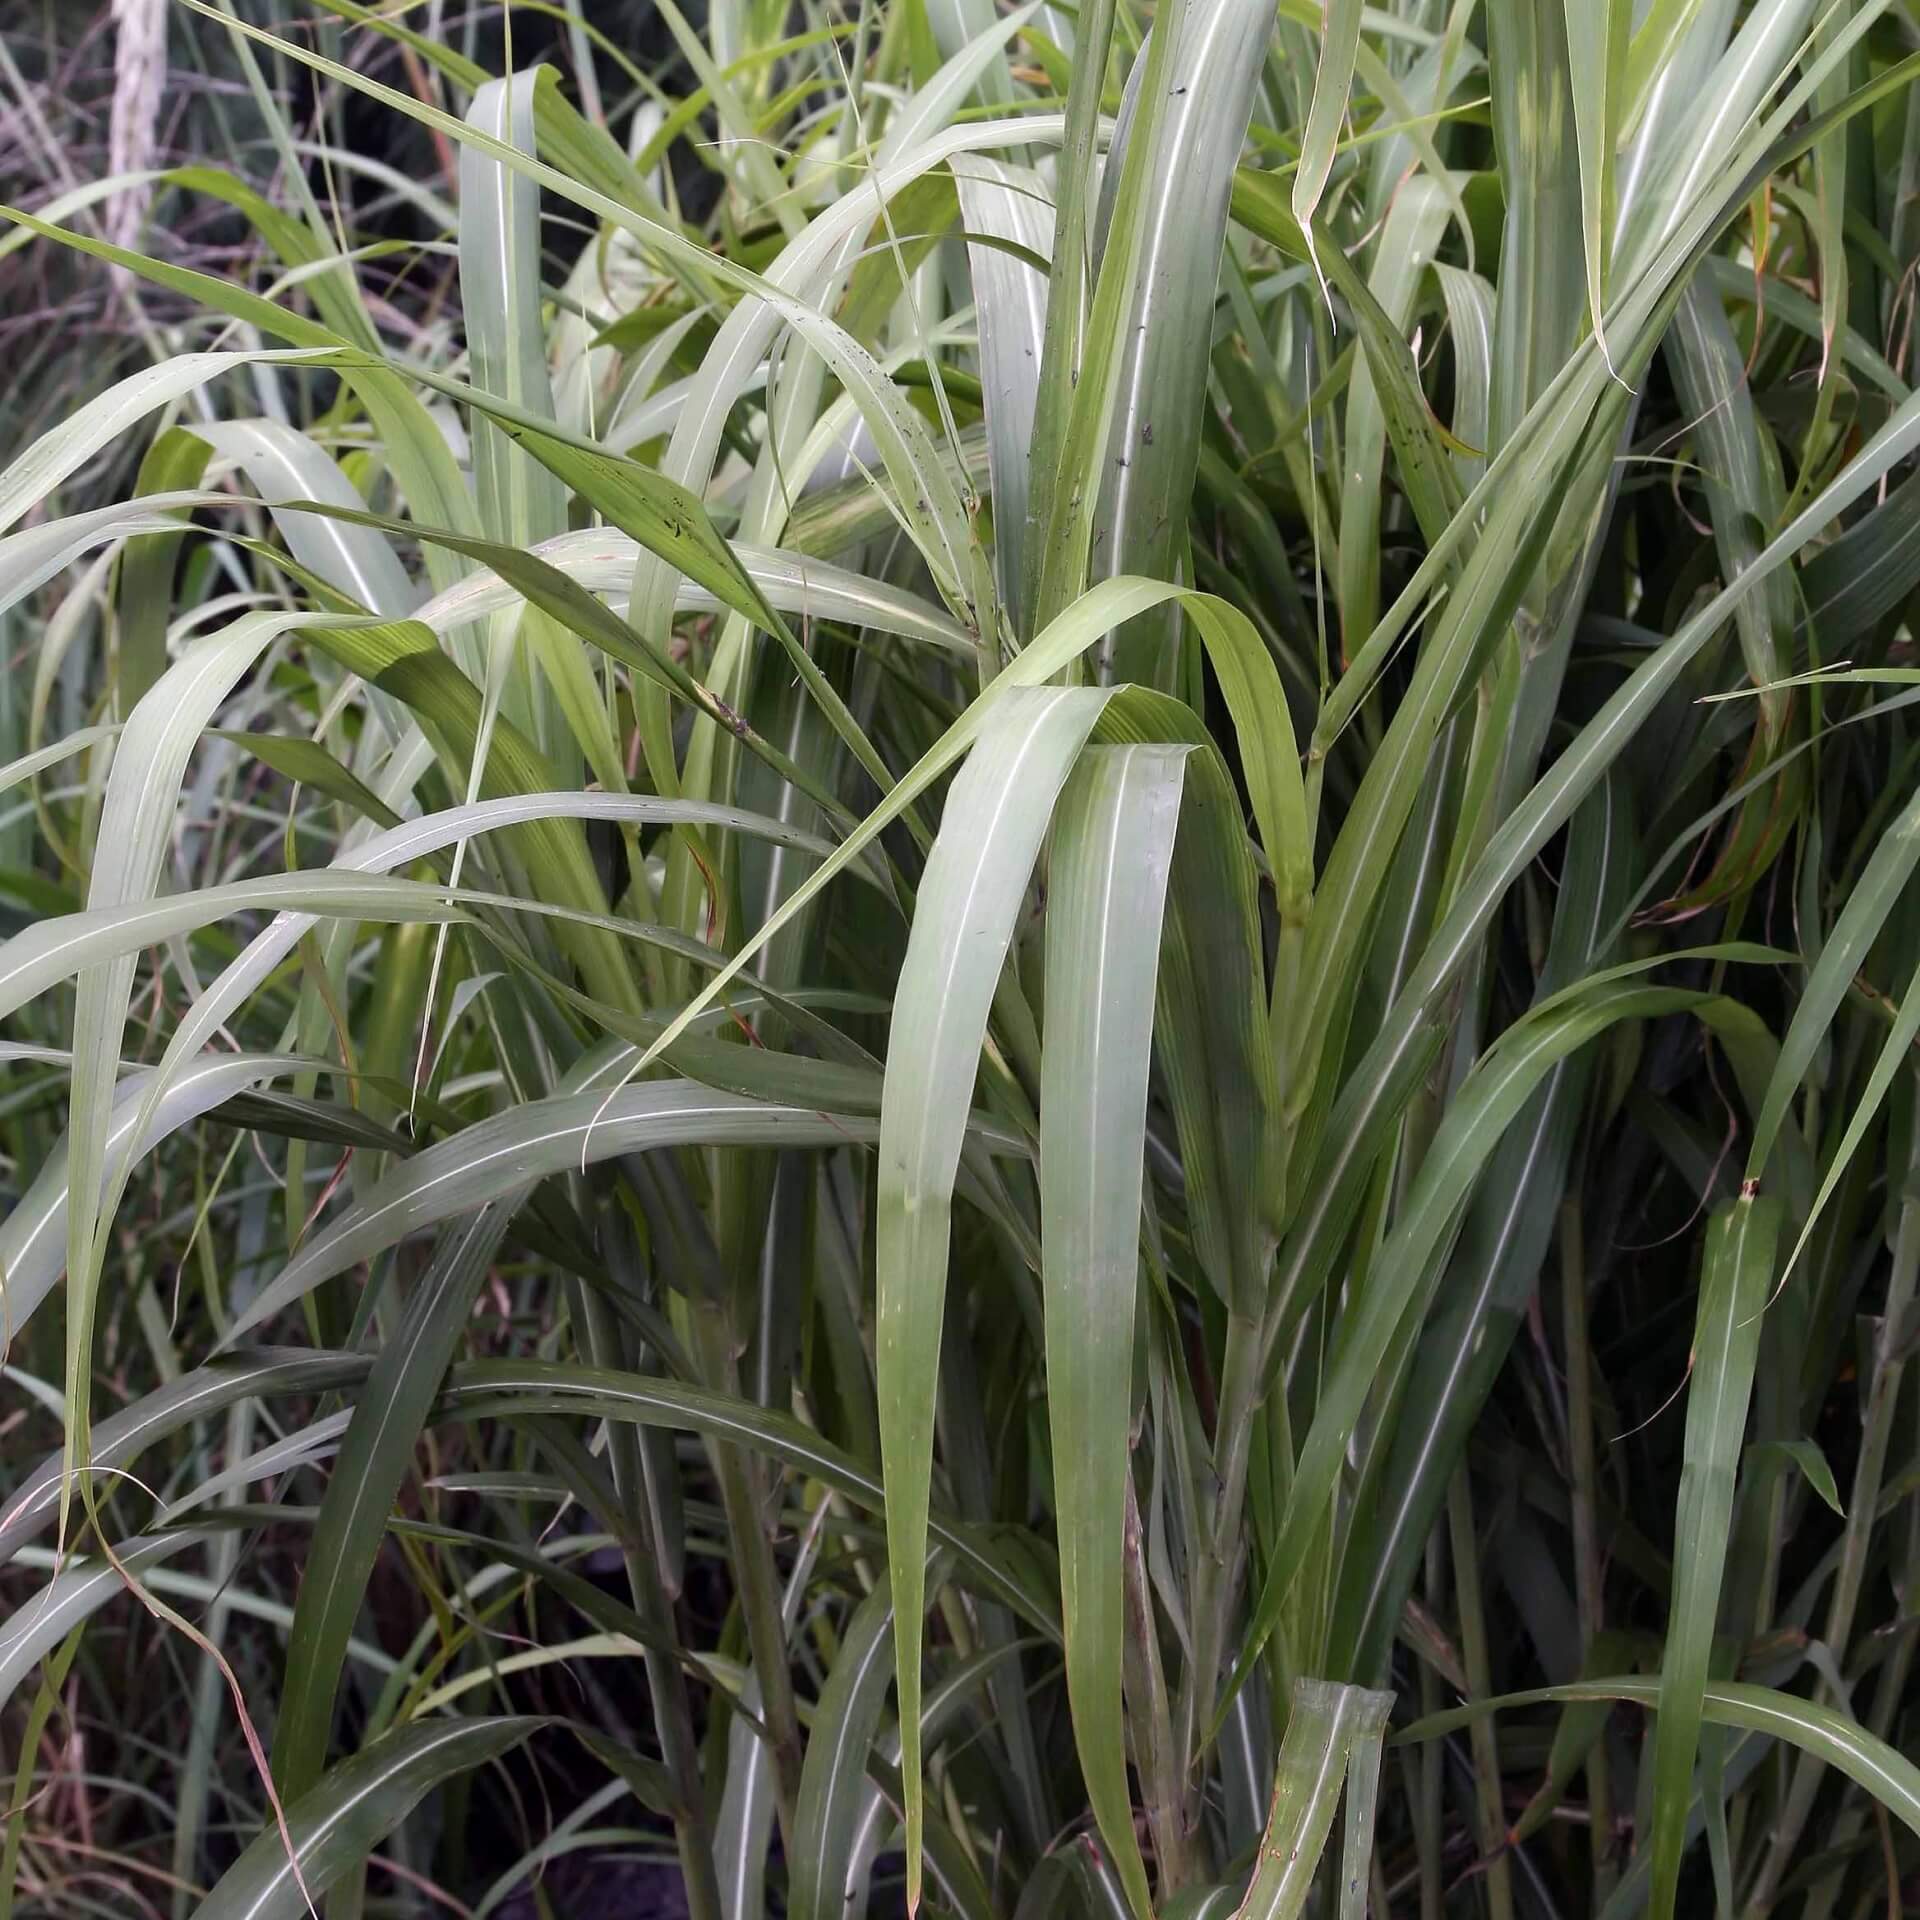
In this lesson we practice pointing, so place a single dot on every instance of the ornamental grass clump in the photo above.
(962, 960)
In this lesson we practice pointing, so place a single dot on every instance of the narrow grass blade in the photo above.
(1107, 882)
(513, 1149)
(33, 1237)
(1733, 1291)
(601, 560)
(372, 1465)
(1166, 340)
(1408, 240)
(135, 825)
(1486, 1104)
(1246, 670)
(120, 1439)
(1831, 1737)
(73, 1595)
(1470, 304)
(1494, 1272)
(833, 1784)
(1869, 905)
(1541, 284)
(284, 465)
(1598, 34)
(175, 463)
(36, 474)
(1741, 472)
(962, 926)
(1384, 1076)
(336, 1825)
(1332, 82)
(1086, 395)
(1328, 1723)
(998, 1564)
(1010, 296)
(500, 284)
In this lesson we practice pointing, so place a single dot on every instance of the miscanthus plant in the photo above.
(963, 959)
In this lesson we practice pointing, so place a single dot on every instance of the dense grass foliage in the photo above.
(960, 958)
